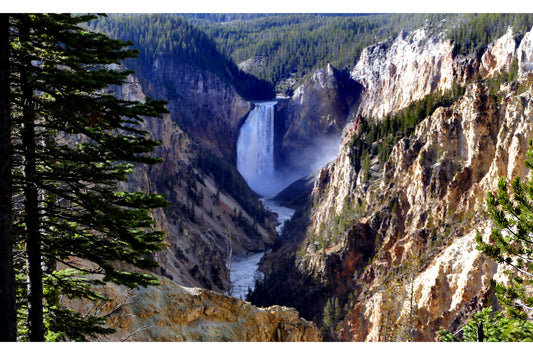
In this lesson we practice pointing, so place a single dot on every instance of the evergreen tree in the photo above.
(7, 275)
(512, 242)
(511, 245)
(489, 326)
(74, 142)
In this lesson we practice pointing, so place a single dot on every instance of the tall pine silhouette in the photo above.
(7, 275)
(73, 142)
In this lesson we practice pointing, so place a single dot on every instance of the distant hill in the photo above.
(157, 35)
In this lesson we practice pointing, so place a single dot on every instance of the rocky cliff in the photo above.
(313, 118)
(209, 110)
(170, 312)
(396, 72)
(210, 202)
(390, 255)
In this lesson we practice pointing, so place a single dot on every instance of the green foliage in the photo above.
(293, 45)
(476, 31)
(511, 242)
(74, 142)
(510, 245)
(384, 134)
(492, 326)
(332, 314)
(171, 36)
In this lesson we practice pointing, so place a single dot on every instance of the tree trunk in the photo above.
(8, 313)
(33, 243)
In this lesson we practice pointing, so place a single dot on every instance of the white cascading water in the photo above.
(255, 162)
(255, 149)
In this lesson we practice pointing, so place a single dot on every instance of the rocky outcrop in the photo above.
(253, 65)
(313, 119)
(209, 110)
(170, 312)
(499, 55)
(396, 72)
(415, 217)
(202, 214)
(525, 55)
(438, 180)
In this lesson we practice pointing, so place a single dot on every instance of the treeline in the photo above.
(171, 35)
(290, 46)
(293, 45)
(476, 31)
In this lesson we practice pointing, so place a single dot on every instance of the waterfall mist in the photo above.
(255, 153)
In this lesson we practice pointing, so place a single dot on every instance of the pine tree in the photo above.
(512, 241)
(492, 326)
(511, 245)
(7, 274)
(76, 141)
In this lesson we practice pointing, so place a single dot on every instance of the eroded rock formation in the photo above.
(421, 209)
(203, 215)
(169, 312)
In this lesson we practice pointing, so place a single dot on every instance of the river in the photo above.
(244, 269)
(255, 162)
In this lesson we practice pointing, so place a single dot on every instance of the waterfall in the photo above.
(255, 149)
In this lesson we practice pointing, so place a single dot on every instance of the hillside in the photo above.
(390, 131)
(403, 221)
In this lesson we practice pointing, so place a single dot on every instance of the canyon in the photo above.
(401, 240)
(369, 249)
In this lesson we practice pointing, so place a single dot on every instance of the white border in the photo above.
(268, 6)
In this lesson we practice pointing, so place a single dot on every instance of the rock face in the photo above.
(170, 312)
(499, 54)
(313, 119)
(400, 243)
(438, 180)
(396, 73)
(525, 55)
(202, 214)
(207, 109)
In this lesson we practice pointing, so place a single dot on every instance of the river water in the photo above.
(244, 269)
(255, 162)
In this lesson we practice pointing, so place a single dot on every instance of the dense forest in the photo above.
(286, 48)
(474, 32)
(290, 46)
(157, 35)
(293, 45)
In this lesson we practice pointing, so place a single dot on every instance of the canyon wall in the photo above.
(313, 118)
(203, 215)
(209, 110)
(398, 243)
(396, 72)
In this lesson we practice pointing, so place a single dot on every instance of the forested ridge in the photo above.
(289, 47)
(293, 45)
(160, 35)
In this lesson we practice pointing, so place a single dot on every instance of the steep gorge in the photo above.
(206, 193)
(408, 226)
(368, 245)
